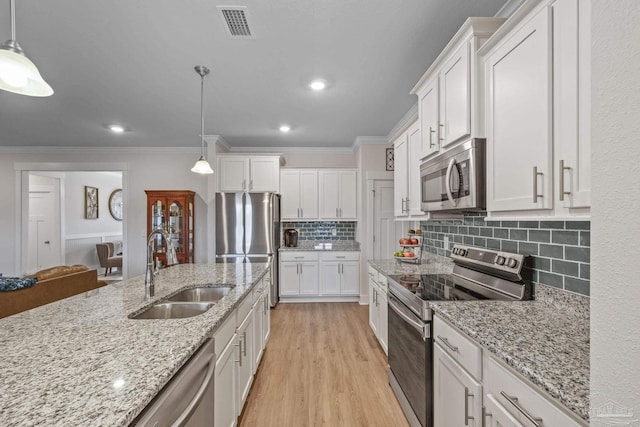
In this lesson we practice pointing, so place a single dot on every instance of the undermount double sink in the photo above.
(187, 303)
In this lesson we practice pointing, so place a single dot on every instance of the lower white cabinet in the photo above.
(244, 338)
(457, 395)
(261, 323)
(312, 274)
(225, 384)
(497, 415)
(378, 314)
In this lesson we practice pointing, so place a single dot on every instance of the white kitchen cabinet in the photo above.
(309, 278)
(373, 309)
(225, 384)
(400, 176)
(266, 322)
(449, 93)
(378, 315)
(244, 337)
(249, 173)
(457, 395)
(298, 273)
(538, 107)
(258, 336)
(407, 192)
(339, 273)
(338, 192)
(299, 190)
(497, 415)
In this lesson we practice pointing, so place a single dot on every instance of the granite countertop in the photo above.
(546, 341)
(82, 361)
(431, 264)
(336, 245)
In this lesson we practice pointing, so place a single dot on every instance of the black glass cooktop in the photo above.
(436, 287)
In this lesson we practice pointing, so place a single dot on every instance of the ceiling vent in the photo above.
(236, 20)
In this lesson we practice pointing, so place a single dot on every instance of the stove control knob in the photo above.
(512, 263)
(455, 251)
(500, 260)
(463, 252)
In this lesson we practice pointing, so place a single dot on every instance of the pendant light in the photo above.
(202, 166)
(17, 73)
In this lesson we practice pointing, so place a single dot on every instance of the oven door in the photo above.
(455, 179)
(410, 361)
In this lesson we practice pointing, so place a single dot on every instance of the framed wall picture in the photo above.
(90, 202)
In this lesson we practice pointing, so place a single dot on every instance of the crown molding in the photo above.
(50, 150)
(219, 141)
(407, 120)
(368, 140)
(509, 8)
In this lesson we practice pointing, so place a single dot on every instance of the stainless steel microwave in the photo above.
(455, 179)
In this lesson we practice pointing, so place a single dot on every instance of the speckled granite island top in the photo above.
(336, 245)
(82, 362)
(546, 341)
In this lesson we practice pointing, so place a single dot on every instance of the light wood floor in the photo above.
(322, 367)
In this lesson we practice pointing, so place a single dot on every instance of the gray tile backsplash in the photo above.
(560, 250)
(323, 230)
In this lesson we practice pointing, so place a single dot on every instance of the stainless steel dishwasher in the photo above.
(187, 400)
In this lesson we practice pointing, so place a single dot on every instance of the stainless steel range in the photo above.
(478, 274)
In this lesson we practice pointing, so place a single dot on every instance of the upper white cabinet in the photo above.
(337, 189)
(450, 93)
(400, 175)
(406, 153)
(249, 173)
(537, 111)
(299, 190)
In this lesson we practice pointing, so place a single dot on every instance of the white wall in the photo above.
(615, 212)
(320, 159)
(157, 169)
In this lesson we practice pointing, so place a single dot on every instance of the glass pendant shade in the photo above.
(202, 166)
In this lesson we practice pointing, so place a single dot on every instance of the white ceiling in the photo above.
(131, 62)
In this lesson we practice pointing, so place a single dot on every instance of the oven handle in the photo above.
(447, 179)
(418, 326)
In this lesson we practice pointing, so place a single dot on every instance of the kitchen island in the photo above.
(82, 361)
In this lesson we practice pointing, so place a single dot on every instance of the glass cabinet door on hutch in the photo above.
(172, 211)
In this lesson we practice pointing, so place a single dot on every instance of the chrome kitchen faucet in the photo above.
(172, 258)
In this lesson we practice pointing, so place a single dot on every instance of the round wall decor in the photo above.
(115, 204)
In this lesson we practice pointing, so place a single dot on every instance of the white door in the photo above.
(350, 278)
(44, 249)
(290, 194)
(309, 194)
(289, 278)
(233, 173)
(385, 231)
(429, 119)
(347, 193)
(263, 176)
(328, 187)
(455, 106)
(330, 277)
(400, 175)
(309, 278)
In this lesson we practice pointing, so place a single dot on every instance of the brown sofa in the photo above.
(53, 284)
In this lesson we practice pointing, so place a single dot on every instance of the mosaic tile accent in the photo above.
(322, 230)
(559, 250)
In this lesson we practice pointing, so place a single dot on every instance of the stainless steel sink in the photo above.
(173, 310)
(202, 294)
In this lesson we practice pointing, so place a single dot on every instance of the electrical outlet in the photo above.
(334, 232)
(446, 243)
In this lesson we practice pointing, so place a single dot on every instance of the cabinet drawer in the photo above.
(459, 347)
(298, 256)
(224, 333)
(499, 380)
(373, 273)
(340, 256)
(245, 306)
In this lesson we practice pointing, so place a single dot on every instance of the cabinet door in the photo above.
(290, 195)
(258, 337)
(266, 322)
(350, 278)
(413, 169)
(519, 133)
(455, 103)
(309, 194)
(264, 174)
(347, 193)
(496, 415)
(233, 173)
(373, 309)
(400, 176)
(429, 119)
(309, 278)
(330, 277)
(455, 392)
(572, 102)
(245, 368)
(225, 386)
(289, 279)
(383, 322)
(329, 201)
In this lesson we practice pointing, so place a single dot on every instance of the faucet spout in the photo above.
(172, 258)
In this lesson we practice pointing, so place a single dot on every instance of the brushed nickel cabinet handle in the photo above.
(562, 169)
(431, 132)
(244, 337)
(535, 184)
(485, 414)
(239, 360)
(442, 131)
(467, 395)
(448, 344)
(536, 421)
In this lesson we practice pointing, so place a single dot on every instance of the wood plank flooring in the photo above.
(322, 367)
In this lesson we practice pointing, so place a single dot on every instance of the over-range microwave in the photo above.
(455, 179)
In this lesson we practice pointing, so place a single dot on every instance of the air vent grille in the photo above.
(236, 19)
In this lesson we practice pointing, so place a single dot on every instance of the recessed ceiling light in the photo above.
(285, 128)
(116, 128)
(318, 85)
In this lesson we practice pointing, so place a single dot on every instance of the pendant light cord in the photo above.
(202, 113)
(13, 19)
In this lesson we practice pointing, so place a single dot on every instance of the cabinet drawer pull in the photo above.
(536, 196)
(562, 169)
(299, 257)
(442, 131)
(536, 421)
(244, 337)
(431, 132)
(467, 395)
(341, 257)
(446, 342)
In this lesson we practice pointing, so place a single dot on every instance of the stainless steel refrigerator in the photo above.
(248, 230)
